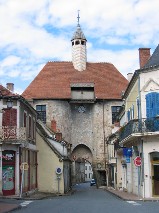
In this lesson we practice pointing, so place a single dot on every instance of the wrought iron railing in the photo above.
(139, 126)
(12, 133)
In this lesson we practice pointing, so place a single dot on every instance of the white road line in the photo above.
(133, 203)
(25, 203)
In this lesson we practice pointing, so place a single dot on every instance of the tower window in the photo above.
(41, 109)
(83, 42)
(72, 43)
(115, 110)
(77, 42)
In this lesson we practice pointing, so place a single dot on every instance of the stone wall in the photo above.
(89, 128)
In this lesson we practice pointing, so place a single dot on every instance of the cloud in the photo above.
(33, 33)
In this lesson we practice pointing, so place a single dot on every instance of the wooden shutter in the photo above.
(152, 104)
(9, 117)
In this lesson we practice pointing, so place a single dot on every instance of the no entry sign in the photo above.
(137, 161)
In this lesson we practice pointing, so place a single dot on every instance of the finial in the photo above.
(78, 17)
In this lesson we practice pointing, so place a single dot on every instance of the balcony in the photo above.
(145, 125)
(12, 134)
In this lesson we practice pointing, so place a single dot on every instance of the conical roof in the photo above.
(78, 34)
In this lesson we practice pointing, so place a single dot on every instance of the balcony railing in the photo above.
(12, 133)
(139, 126)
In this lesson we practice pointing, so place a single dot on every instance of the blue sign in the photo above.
(127, 159)
(127, 152)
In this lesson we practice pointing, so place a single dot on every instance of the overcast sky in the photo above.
(35, 32)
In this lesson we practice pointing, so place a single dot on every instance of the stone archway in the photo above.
(82, 161)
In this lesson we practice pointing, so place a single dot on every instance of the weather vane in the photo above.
(78, 17)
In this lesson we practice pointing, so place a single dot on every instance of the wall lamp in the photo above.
(9, 103)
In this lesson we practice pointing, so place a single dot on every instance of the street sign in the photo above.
(137, 161)
(58, 171)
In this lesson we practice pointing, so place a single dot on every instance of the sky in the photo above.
(35, 32)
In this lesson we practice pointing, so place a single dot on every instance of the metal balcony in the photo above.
(12, 133)
(144, 125)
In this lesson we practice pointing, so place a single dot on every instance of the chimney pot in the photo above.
(10, 86)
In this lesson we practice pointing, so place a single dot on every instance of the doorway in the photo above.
(155, 178)
(8, 172)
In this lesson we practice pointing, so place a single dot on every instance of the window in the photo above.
(41, 110)
(77, 42)
(115, 110)
(30, 127)
(128, 115)
(138, 107)
(24, 119)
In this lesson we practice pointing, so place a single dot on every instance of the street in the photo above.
(86, 199)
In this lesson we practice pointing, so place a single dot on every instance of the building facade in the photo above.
(136, 142)
(18, 151)
(79, 100)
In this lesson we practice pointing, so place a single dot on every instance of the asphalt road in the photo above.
(88, 199)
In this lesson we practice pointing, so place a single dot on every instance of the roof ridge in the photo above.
(97, 62)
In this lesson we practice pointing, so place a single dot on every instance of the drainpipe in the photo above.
(104, 139)
(140, 117)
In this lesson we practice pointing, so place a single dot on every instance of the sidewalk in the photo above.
(7, 207)
(129, 196)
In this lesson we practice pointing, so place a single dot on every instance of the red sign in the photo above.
(137, 161)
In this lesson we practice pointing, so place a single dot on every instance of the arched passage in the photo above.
(82, 164)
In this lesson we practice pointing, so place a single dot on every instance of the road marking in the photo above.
(25, 203)
(133, 203)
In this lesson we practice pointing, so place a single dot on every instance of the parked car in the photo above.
(93, 182)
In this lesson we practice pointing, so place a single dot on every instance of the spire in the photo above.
(79, 56)
(78, 34)
(78, 17)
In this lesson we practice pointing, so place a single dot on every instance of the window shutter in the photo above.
(152, 104)
(128, 115)
(148, 105)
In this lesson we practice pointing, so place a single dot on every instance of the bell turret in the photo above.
(79, 55)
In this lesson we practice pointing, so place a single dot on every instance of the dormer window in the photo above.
(82, 92)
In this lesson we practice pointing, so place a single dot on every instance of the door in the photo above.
(155, 179)
(8, 172)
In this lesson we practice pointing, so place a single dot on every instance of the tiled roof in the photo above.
(154, 59)
(6, 92)
(54, 80)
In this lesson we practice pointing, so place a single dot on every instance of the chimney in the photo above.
(10, 86)
(144, 55)
(129, 76)
(53, 125)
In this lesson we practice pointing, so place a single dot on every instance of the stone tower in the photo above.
(79, 56)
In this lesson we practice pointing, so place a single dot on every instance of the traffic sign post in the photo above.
(137, 162)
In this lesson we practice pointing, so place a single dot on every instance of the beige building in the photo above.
(54, 167)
